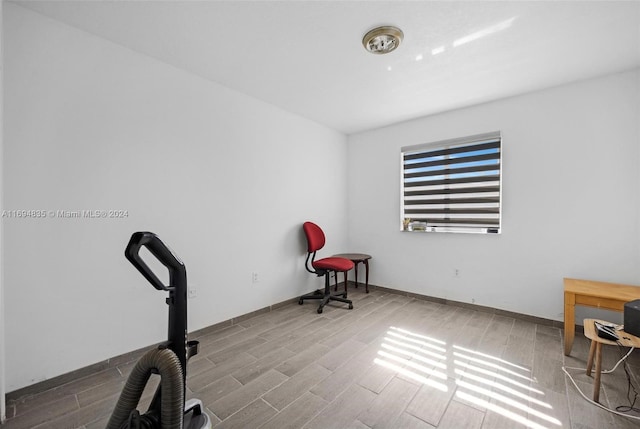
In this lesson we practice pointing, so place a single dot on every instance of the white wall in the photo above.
(224, 179)
(571, 208)
(3, 409)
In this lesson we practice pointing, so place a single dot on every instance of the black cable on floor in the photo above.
(630, 388)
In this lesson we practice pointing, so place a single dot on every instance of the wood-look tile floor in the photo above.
(391, 362)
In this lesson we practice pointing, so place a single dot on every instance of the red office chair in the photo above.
(323, 267)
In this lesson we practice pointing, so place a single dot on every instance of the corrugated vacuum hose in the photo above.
(166, 363)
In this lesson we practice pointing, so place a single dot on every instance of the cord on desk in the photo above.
(597, 404)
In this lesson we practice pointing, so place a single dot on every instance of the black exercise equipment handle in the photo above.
(158, 249)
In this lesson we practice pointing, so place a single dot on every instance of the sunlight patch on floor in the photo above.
(482, 379)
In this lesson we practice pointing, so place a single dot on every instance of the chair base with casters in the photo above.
(323, 267)
(326, 296)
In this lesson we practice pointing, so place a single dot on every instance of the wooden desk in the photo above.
(588, 293)
(595, 351)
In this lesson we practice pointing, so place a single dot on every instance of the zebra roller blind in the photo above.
(453, 185)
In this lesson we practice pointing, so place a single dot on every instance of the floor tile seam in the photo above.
(309, 387)
(78, 395)
(363, 424)
(288, 322)
(211, 413)
(57, 400)
(335, 394)
(278, 337)
(230, 416)
(365, 311)
(60, 389)
(246, 336)
(312, 323)
(337, 398)
(342, 363)
(334, 337)
(231, 348)
(261, 396)
(399, 313)
(269, 405)
(212, 362)
(418, 417)
(204, 340)
(318, 412)
(505, 335)
(295, 400)
(68, 414)
(343, 322)
(320, 326)
(273, 406)
(315, 359)
(241, 385)
(302, 370)
(451, 399)
(266, 369)
(409, 401)
(201, 388)
(293, 350)
(269, 353)
(272, 314)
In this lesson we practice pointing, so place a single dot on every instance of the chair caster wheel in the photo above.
(350, 306)
(300, 302)
(320, 310)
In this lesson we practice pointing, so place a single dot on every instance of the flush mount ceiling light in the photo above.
(382, 40)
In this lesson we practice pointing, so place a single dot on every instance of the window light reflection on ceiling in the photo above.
(484, 32)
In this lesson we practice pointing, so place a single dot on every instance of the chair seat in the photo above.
(333, 264)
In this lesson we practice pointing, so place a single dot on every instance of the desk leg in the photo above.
(569, 321)
(366, 270)
(596, 382)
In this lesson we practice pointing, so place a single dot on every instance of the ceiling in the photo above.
(307, 57)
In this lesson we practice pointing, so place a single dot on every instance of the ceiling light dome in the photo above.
(382, 40)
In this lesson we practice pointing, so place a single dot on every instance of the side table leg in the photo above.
(345, 281)
(596, 382)
(366, 270)
(592, 352)
(355, 269)
(569, 321)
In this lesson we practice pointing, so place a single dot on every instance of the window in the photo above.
(452, 185)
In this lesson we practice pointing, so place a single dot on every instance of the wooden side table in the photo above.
(595, 351)
(356, 258)
(589, 293)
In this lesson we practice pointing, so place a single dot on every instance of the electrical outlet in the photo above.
(254, 277)
(192, 293)
(456, 272)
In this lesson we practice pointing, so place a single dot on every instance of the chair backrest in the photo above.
(315, 236)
